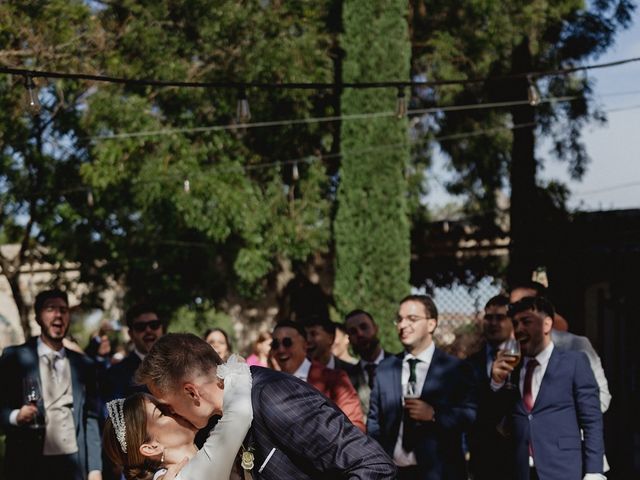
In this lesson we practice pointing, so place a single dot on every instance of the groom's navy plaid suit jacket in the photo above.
(297, 433)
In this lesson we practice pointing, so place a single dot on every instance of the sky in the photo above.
(612, 180)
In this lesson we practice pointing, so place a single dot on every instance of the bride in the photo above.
(149, 443)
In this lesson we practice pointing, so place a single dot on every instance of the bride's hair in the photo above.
(135, 466)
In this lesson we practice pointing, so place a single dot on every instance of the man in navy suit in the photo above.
(145, 327)
(297, 433)
(67, 444)
(422, 400)
(489, 450)
(555, 399)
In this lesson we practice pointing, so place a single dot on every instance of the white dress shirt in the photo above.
(400, 457)
(331, 363)
(303, 370)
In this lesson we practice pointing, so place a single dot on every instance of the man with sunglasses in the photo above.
(422, 399)
(145, 328)
(487, 447)
(289, 349)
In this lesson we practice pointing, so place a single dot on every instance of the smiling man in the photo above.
(556, 399)
(52, 427)
(422, 399)
(145, 328)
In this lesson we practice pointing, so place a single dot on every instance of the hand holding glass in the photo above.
(511, 354)
(31, 391)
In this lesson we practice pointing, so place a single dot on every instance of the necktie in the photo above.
(371, 373)
(51, 359)
(527, 394)
(409, 426)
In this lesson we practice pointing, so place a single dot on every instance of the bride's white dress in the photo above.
(215, 459)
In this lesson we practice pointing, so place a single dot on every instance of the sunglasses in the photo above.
(142, 326)
(287, 342)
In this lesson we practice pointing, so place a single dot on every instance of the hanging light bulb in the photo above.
(533, 94)
(295, 174)
(401, 104)
(243, 113)
(186, 185)
(31, 98)
(90, 201)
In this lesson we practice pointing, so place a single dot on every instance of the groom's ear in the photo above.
(150, 450)
(192, 391)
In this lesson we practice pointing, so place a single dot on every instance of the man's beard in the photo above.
(369, 349)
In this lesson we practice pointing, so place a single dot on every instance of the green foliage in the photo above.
(197, 318)
(372, 227)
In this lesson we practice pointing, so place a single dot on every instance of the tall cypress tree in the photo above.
(372, 225)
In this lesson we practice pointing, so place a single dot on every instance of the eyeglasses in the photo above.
(410, 318)
(287, 342)
(142, 326)
(51, 309)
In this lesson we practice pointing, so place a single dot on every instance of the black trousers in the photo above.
(61, 467)
(409, 473)
(533, 474)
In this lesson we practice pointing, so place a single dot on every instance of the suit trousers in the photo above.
(409, 473)
(61, 467)
(533, 474)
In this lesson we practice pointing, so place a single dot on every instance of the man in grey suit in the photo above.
(566, 340)
(52, 426)
(296, 432)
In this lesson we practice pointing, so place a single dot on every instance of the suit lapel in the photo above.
(76, 385)
(541, 398)
(430, 387)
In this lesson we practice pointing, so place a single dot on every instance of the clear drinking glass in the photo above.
(511, 353)
(31, 391)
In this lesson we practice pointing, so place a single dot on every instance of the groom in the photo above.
(296, 433)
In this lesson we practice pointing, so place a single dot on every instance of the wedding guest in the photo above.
(422, 400)
(554, 404)
(145, 328)
(260, 352)
(48, 402)
(219, 341)
(289, 348)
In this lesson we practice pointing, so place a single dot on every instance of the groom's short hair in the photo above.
(174, 358)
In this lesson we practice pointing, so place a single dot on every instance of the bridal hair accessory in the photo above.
(116, 414)
(233, 369)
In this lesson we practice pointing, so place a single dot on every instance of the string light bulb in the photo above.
(533, 95)
(401, 104)
(295, 174)
(186, 185)
(243, 112)
(90, 200)
(31, 99)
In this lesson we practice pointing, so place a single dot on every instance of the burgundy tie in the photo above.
(527, 394)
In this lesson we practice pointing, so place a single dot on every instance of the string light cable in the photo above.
(305, 85)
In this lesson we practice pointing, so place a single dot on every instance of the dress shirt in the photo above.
(139, 354)
(400, 457)
(331, 363)
(303, 370)
(43, 350)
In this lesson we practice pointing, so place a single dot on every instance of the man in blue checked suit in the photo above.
(297, 433)
(422, 400)
(66, 444)
(553, 410)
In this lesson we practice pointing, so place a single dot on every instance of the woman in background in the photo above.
(219, 341)
(261, 349)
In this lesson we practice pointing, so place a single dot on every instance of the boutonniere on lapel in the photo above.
(247, 461)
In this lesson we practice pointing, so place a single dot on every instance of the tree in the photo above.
(120, 207)
(493, 39)
(372, 226)
(39, 176)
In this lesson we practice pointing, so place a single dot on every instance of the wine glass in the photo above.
(511, 354)
(31, 390)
